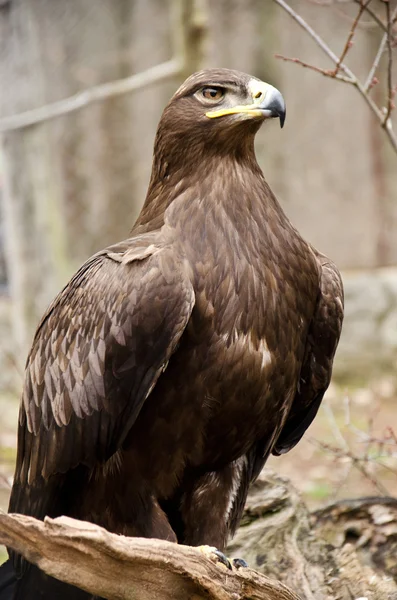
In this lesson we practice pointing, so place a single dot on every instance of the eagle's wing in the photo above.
(96, 356)
(322, 340)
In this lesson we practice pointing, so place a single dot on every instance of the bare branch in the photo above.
(350, 77)
(369, 84)
(390, 90)
(88, 556)
(349, 41)
(373, 15)
(334, 426)
(101, 92)
(319, 41)
(4, 482)
(161, 72)
(325, 72)
(359, 462)
(372, 449)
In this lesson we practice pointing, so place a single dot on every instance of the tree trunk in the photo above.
(345, 552)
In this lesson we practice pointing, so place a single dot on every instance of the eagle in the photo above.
(175, 362)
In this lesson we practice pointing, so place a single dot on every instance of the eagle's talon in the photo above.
(239, 563)
(216, 556)
(223, 559)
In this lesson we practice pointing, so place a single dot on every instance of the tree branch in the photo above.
(345, 551)
(101, 92)
(325, 72)
(88, 556)
(390, 90)
(319, 41)
(350, 77)
(161, 72)
(349, 41)
(373, 15)
(370, 79)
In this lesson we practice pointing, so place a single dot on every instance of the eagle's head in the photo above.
(216, 93)
(216, 110)
(210, 122)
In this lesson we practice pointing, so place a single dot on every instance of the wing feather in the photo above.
(322, 341)
(96, 356)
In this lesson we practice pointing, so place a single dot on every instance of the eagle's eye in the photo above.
(213, 93)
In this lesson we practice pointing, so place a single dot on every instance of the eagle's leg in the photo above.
(210, 510)
(205, 508)
(212, 504)
(104, 503)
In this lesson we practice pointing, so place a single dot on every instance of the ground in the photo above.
(341, 455)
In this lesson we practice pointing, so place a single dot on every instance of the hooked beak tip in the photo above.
(275, 106)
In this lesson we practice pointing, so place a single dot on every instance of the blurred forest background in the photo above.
(75, 159)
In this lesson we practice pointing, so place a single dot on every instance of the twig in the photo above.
(374, 16)
(334, 425)
(4, 482)
(351, 78)
(12, 360)
(349, 41)
(320, 42)
(370, 79)
(366, 458)
(390, 469)
(340, 484)
(101, 92)
(357, 461)
(391, 435)
(370, 12)
(390, 91)
(326, 72)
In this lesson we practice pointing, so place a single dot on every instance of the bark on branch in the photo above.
(120, 568)
(345, 551)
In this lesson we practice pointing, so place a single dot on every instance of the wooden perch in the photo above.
(345, 551)
(121, 568)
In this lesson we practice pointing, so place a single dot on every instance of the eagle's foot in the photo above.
(216, 556)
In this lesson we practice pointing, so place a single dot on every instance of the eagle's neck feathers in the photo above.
(204, 181)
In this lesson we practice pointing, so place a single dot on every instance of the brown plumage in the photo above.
(172, 364)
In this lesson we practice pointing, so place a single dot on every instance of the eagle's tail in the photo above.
(7, 581)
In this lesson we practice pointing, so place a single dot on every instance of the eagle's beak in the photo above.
(267, 102)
